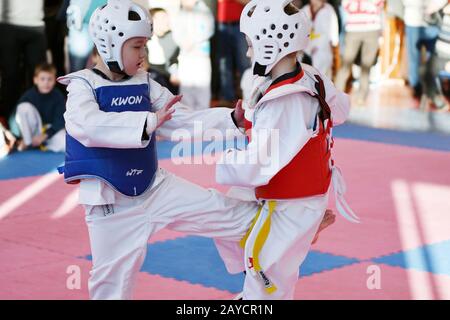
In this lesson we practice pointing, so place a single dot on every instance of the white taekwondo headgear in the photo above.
(113, 24)
(273, 32)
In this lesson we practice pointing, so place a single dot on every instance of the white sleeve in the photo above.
(94, 128)
(177, 30)
(338, 101)
(269, 151)
(307, 10)
(334, 29)
(206, 25)
(186, 119)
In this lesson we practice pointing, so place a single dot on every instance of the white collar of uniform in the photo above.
(98, 81)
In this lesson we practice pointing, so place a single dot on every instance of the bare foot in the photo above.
(328, 220)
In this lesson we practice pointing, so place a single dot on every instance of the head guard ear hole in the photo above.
(134, 16)
(250, 12)
(291, 9)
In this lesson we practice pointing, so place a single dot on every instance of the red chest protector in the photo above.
(309, 172)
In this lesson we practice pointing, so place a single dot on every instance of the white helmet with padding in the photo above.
(113, 24)
(274, 31)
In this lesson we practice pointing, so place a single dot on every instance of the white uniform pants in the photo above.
(322, 60)
(198, 98)
(30, 125)
(194, 72)
(119, 233)
(293, 226)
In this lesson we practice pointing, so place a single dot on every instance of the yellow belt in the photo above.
(259, 243)
(42, 147)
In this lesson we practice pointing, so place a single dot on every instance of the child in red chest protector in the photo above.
(287, 165)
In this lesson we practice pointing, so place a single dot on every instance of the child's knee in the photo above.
(24, 108)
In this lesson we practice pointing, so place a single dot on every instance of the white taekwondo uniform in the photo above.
(120, 225)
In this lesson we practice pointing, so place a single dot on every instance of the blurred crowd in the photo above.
(197, 50)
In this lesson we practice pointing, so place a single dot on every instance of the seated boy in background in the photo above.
(39, 116)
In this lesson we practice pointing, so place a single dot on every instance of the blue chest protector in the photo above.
(129, 171)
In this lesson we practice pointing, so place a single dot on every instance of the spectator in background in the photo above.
(419, 34)
(38, 119)
(192, 28)
(232, 47)
(324, 35)
(56, 31)
(22, 47)
(440, 60)
(79, 43)
(163, 52)
(363, 30)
